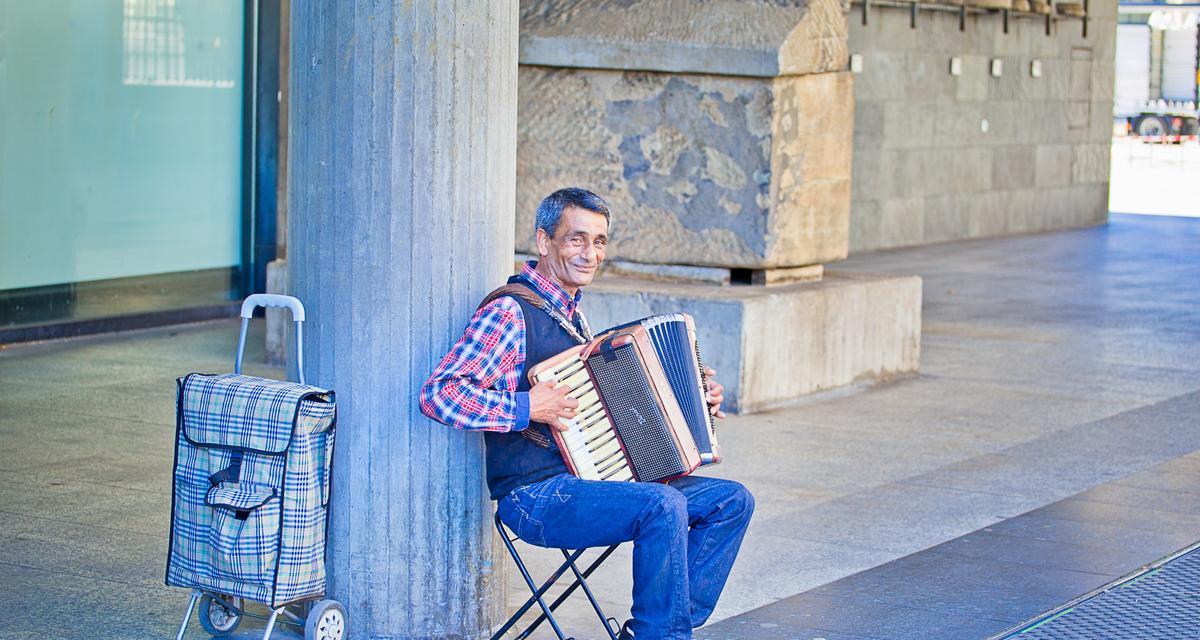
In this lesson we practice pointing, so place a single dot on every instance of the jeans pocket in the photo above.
(531, 531)
(517, 513)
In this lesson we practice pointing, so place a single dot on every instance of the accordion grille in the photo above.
(635, 415)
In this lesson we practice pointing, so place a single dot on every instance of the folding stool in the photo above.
(538, 591)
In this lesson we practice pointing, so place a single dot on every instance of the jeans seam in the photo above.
(683, 608)
(534, 492)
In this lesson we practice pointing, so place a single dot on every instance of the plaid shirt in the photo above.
(474, 386)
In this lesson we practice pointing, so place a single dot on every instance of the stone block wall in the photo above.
(927, 169)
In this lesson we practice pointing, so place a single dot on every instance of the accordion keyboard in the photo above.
(590, 441)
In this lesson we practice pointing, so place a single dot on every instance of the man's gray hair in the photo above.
(550, 211)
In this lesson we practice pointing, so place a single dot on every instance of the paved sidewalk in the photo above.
(1019, 572)
(1155, 179)
(1052, 364)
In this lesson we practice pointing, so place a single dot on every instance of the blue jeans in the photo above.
(685, 536)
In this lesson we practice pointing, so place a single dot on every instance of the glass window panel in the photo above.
(120, 156)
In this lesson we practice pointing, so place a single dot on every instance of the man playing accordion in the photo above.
(686, 533)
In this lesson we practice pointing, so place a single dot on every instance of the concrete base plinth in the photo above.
(772, 345)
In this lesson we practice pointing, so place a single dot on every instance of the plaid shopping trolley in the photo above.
(251, 494)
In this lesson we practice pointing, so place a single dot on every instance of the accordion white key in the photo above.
(643, 413)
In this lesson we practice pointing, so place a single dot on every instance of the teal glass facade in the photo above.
(121, 157)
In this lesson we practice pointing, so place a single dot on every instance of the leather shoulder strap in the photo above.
(517, 290)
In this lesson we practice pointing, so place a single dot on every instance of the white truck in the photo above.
(1156, 73)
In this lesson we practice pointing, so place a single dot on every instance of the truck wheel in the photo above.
(1150, 126)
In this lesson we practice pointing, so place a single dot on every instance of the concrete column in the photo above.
(402, 155)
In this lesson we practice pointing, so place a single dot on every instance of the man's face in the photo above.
(577, 248)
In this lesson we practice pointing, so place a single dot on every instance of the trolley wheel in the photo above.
(326, 621)
(220, 615)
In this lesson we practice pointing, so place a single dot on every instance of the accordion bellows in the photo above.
(642, 411)
(251, 487)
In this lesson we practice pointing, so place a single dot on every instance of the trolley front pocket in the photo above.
(245, 531)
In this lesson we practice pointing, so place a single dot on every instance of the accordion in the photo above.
(643, 413)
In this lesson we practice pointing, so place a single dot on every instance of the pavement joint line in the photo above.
(1009, 450)
(1148, 510)
(852, 547)
(1019, 387)
(88, 483)
(997, 494)
(1133, 484)
(952, 552)
(156, 589)
(91, 415)
(125, 531)
(14, 349)
(911, 483)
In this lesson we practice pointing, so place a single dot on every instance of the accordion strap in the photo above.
(527, 294)
(517, 290)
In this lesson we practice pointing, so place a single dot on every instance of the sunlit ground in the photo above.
(1155, 179)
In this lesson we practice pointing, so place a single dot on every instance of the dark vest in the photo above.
(514, 460)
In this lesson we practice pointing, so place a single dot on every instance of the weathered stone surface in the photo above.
(1090, 163)
(771, 345)
(973, 82)
(759, 38)
(1043, 137)
(1053, 165)
(700, 170)
(946, 218)
(1013, 167)
(903, 218)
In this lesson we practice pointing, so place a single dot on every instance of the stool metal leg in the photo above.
(529, 602)
(570, 557)
(580, 581)
(537, 592)
(547, 615)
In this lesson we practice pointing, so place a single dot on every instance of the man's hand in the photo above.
(716, 393)
(548, 402)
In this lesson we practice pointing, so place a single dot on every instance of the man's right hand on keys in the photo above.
(548, 401)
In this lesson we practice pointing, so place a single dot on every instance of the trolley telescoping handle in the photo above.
(272, 300)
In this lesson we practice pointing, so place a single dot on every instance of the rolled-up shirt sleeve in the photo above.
(474, 386)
